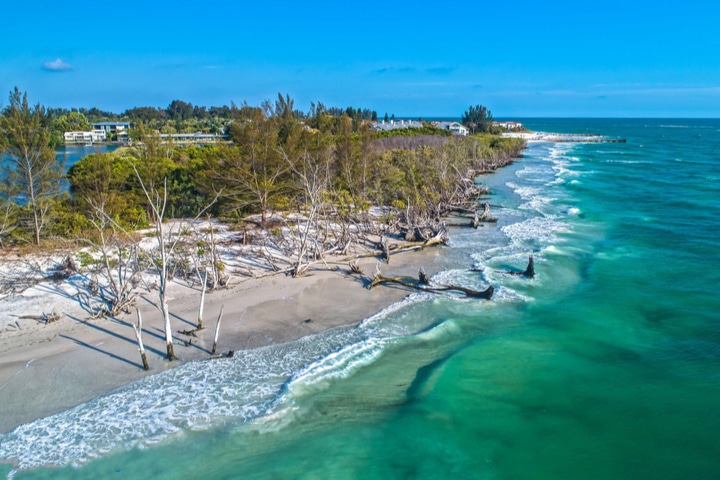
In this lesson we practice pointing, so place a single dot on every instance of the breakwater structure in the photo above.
(564, 137)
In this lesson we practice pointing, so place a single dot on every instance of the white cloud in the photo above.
(57, 65)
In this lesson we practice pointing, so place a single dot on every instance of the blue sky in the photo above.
(423, 58)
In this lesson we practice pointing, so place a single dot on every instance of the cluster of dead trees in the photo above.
(311, 190)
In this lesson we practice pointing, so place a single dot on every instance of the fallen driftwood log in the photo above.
(477, 218)
(229, 354)
(410, 282)
(528, 273)
(440, 238)
(45, 318)
(189, 333)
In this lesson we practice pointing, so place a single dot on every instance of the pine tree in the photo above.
(477, 119)
(31, 164)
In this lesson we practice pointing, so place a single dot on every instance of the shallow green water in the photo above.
(606, 365)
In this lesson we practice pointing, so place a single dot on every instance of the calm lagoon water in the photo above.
(606, 365)
(74, 153)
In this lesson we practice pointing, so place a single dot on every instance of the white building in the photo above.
(111, 127)
(455, 127)
(85, 138)
(394, 125)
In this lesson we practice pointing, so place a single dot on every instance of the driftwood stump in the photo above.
(423, 277)
(355, 267)
(529, 272)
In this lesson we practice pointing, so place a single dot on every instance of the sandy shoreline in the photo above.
(50, 368)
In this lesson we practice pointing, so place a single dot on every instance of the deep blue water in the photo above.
(74, 153)
(606, 365)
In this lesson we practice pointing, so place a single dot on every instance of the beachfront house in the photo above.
(508, 126)
(455, 127)
(85, 138)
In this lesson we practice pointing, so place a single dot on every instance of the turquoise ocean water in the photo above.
(606, 365)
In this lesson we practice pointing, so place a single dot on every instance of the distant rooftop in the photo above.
(395, 124)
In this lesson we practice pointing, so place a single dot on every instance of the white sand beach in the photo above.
(48, 367)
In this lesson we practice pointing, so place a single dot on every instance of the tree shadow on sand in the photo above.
(100, 350)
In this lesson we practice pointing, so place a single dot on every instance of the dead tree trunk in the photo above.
(202, 302)
(217, 330)
(385, 249)
(119, 257)
(138, 336)
(157, 203)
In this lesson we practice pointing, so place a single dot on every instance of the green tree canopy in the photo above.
(477, 119)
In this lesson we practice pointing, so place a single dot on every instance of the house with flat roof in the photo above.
(111, 127)
(85, 138)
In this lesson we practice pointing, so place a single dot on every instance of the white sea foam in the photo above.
(339, 364)
(466, 278)
(525, 191)
(562, 171)
(539, 204)
(627, 162)
(194, 396)
(560, 149)
(535, 231)
(534, 174)
(200, 395)
(378, 324)
(573, 211)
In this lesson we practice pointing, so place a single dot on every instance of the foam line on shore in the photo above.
(202, 394)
